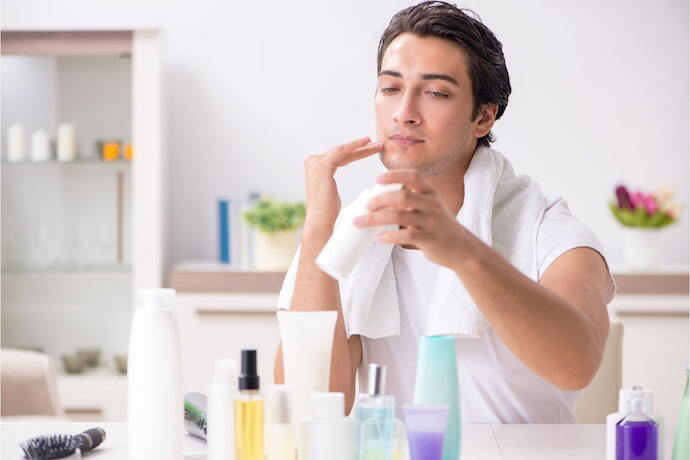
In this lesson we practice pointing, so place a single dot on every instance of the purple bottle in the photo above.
(637, 435)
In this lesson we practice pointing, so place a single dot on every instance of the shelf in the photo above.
(67, 270)
(216, 277)
(79, 161)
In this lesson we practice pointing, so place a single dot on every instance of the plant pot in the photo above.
(642, 247)
(274, 251)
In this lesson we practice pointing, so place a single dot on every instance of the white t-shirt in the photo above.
(495, 387)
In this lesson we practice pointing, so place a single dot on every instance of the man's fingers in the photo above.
(341, 151)
(408, 177)
(362, 152)
(400, 198)
(390, 217)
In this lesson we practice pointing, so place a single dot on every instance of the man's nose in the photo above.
(407, 112)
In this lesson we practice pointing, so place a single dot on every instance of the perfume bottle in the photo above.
(249, 412)
(637, 435)
(375, 418)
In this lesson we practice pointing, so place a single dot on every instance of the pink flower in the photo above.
(637, 200)
(649, 204)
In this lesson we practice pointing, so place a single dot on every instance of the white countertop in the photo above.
(479, 442)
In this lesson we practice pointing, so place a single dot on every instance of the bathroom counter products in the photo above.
(437, 383)
(681, 446)
(637, 435)
(625, 397)
(375, 418)
(221, 416)
(249, 412)
(426, 430)
(307, 339)
(280, 439)
(155, 399)
(327, 434)
(481, 441)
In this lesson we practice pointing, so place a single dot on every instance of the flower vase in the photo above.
(274, 251)
(643, 247)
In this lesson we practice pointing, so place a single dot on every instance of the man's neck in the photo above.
(450, 184)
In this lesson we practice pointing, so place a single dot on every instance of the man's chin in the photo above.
(395, 161)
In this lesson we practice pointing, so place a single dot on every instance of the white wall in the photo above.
(600, 96)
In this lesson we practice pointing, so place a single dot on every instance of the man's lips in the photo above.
(405, 140)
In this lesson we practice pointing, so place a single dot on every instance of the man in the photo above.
(442, 83)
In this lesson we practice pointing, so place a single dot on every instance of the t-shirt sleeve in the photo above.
(559, 232)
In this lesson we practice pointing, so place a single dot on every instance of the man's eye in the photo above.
(437, 94)
(388, 90)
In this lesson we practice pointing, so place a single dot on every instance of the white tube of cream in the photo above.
(307, 341)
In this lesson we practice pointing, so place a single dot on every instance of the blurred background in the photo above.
(135, 135)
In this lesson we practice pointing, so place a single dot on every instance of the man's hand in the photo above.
(323, 201)
(425, 220)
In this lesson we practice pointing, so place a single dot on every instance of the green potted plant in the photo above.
(643, 215)
(276, 239)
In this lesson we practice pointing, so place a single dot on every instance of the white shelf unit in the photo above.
(60, 308)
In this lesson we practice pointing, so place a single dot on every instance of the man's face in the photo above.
(424, 105)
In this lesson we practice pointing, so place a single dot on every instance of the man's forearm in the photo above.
(547, 333)
(316, 291)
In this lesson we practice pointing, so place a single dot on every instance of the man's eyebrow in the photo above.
(425, 76)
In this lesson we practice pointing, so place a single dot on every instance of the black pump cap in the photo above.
(249, 379)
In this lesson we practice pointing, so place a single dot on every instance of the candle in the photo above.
(40, 146)
(15, 143)
(111, 151)
(66, 142)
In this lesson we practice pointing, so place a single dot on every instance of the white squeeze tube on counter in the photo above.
(220, 437)
(154, 379)
(349, 243)
(306, 338)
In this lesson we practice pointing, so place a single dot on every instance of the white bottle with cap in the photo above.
(220, 421)
(349, 243)
(328, 433)
(624, 399)
(154, 379)
(280, 438)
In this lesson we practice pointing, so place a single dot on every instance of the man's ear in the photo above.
(485, 119)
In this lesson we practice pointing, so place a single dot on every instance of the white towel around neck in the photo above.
(501, 209)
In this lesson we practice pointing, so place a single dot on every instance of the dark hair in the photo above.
(487, 66)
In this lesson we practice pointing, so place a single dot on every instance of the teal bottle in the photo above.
(436, 382)
(681, 448)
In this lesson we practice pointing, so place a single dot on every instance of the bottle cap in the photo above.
(249, 379)
(327, 406)
(155, 298)
(278, 405)
(225, 372)
(377, 379)
(625, 396)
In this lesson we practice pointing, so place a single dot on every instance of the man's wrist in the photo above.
(469, 254)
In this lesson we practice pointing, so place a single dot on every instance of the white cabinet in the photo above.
(80, 237)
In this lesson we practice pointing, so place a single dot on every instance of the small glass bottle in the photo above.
(249, 412)
(375, 419)
(681, 446)
(637, 435)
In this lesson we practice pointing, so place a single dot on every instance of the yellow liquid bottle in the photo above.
(249, 412)
(249, 427)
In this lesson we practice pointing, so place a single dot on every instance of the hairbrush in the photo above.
(62, 445)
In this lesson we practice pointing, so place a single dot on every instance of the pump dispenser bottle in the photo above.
(249, 412)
